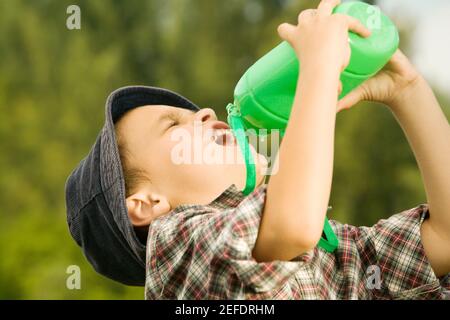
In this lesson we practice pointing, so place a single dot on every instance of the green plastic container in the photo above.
(265, 94)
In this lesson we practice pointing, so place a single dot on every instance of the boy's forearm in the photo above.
(298, 195)
(428, 133)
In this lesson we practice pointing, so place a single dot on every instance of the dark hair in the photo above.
(133, 176)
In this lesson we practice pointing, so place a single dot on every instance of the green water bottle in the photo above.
(264, 96)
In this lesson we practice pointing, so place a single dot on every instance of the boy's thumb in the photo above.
(355, 96)
(285, 30)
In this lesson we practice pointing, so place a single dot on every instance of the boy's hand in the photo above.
(390, 86)
(321, 38)
(417, 110)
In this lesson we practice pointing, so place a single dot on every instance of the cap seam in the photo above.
(90, 200)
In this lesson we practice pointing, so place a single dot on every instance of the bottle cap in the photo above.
(370, 55)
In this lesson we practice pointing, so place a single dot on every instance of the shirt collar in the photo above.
(230, 198)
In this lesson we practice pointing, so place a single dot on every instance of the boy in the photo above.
(189, 233)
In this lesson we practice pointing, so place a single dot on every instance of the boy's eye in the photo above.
(174, 120)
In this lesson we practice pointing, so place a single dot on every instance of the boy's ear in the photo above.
(144, 206)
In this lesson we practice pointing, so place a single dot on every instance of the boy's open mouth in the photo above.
(224, 137)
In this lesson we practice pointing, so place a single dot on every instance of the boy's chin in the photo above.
(260, 160)
(262, 166)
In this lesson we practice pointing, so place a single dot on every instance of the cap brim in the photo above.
(127, 98)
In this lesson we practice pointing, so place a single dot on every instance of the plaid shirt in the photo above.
(205, 252)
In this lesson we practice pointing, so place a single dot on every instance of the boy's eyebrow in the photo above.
(169, 115)
(164, 117)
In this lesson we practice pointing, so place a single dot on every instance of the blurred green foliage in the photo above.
(53, 86)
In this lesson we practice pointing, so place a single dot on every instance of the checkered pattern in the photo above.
(204, 252)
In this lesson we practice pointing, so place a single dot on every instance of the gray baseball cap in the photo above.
(95, 193)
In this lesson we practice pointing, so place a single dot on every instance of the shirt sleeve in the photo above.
(196, 252)
(395, 249)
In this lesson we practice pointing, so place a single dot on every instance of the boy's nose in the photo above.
(206, 114)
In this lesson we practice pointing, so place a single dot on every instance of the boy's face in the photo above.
(189, 157)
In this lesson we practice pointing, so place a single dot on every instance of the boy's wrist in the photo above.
(319, 68)
(407, 95)
(319, 75)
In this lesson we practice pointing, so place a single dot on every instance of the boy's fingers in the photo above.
(285, 30)
(326, 7)
(306, 14)
(356, 26)
(351, 99)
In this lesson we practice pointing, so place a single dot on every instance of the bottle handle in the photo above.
(235, 121)
(329, 242)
